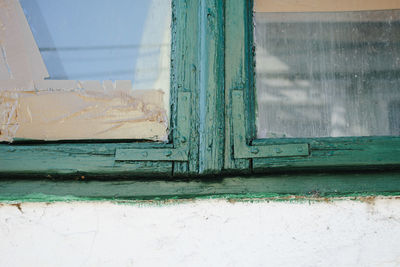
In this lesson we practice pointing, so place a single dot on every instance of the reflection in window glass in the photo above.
(101, 40)
(92, 69)
(327, 73)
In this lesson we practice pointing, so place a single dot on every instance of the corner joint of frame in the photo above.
(244, 150)
(180, 151)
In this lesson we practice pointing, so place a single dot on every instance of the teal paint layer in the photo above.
(211, 95)
(313, 185)
(356, 153)
(133, 159)
(69, 159)
(185, 76)
(244, 150)
(236, 74)
(212, 57)
(337, 153)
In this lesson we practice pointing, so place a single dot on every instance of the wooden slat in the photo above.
(211, 155)
(236, 73)
(272, 186)
(348, 153)
(74, 159)
(184, 74)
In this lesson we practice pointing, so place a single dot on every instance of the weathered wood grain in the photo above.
(211, 95)
(185, 76)
(236, 73)
(78, 158)
(313, 185)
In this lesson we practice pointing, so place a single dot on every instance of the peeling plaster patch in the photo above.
(77, 113)
(18, 206)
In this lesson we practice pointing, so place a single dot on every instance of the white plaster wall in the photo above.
(202, 233)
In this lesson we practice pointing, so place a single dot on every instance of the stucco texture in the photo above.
(202, 233)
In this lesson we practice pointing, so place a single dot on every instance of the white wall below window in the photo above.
(202, 233)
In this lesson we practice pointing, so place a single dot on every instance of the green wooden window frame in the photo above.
(212, 117)
(127, 157)
(284, 153)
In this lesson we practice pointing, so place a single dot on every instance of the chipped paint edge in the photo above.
(278, 187)
(368, 198)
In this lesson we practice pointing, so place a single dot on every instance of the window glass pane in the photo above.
(92, 69)
(327, 68)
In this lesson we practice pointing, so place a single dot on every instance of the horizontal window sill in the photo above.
(260, 186)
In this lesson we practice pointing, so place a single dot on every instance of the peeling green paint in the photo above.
(232, 198)
(350, 153)
(212, 52)
(312, 185)
(211, 87)
(124, 158)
